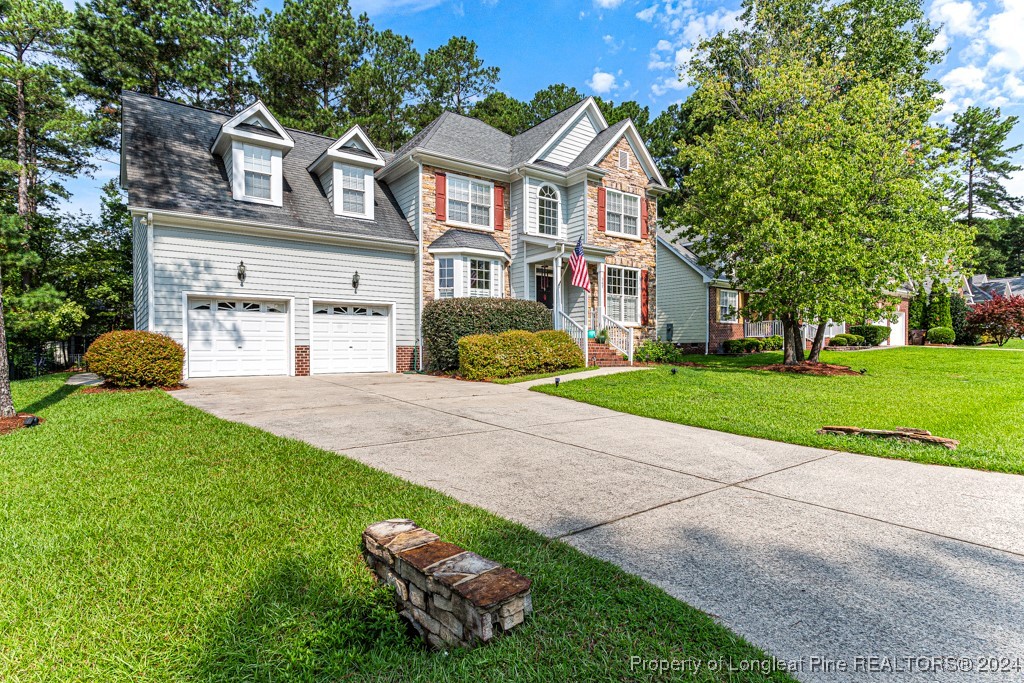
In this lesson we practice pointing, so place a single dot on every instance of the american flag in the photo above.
(580, 276)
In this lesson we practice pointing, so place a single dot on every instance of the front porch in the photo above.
(547, 278)
(773, 328)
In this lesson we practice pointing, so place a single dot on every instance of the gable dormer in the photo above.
(345, 170)
(573, 137)
(252, 145)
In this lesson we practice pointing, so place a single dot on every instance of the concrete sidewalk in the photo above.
(806, 552)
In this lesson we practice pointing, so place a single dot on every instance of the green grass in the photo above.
(144, 540)
(540, 375)
(971, 395)
(1011, 344)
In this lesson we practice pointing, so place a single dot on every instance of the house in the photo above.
(700, 308)
(266, 250)
(980, 288)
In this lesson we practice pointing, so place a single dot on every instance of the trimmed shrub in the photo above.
(129, 358)
(446, 321)
(516, 353)
(846, 339)
(873, 334)
(657, 352)
(772, 343)
(941, 335)
(939, 314)
(918, 311)
(744, 345)
(959, 310)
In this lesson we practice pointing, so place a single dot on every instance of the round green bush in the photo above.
(873, 334)
(841, 340)
(131, 358)
(772, 343)
(941, 335)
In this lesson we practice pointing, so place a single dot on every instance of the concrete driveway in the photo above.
(825, 559)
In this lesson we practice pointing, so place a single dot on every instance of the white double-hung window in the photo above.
(257, 166)
(469, 202)
(728, 306)
(445, 278)
(622, 295)
(480, 277)
(622, 213)
(353, 189)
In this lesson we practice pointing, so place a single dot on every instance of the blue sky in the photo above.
(631, 49)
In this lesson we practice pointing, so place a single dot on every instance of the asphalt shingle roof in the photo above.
(467, 239)
(169, 167)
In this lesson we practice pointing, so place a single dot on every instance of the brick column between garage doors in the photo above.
(301, 361)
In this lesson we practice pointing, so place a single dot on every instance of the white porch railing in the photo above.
(619, 337)
(831, 330)
(763, 328)
(577, 332)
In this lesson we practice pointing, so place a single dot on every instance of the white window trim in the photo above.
(448, 206)
(533, 225)
(237, 151)
(639, 293)
(339, 189)
(736, 310)
(461, 272)
(639, 213)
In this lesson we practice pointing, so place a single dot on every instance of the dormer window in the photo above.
(258, 171)
(252, 146)
(345, 170)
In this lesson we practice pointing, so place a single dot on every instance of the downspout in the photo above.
(707, 319)
(150, 297)
(419, 266)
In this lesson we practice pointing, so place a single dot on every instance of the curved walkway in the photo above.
(827, 560)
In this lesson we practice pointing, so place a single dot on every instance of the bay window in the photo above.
(445, 278)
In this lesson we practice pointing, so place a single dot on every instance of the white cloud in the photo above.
(376, 7)
(602, 82)
(940, 43)
(969, 78)
(1004, 34)
(1014, 87)
(706, 25)
(663, 45)
(958, 18)
(607, 4)
(647, 14)
(613, 45)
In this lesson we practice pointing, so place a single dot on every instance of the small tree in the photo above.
(918, 311)
(938, 309)
(1002, 318)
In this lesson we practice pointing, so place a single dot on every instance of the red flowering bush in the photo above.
(1002, 318)
(129, 358)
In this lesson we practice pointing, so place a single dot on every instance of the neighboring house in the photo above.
(266, 250)
(700, 309)
(980, 288)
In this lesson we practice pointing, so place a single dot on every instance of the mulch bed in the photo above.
(107, 389)
(809, 368)
(10, 424)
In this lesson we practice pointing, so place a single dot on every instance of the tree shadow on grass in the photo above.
(295, 622)
(49, 400)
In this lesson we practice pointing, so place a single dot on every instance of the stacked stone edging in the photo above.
(452, 597)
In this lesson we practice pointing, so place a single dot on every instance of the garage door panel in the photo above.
(228, 338)
(350, 339)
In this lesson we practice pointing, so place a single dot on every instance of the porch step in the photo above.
(604, 356)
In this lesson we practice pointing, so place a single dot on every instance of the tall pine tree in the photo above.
(979, 138)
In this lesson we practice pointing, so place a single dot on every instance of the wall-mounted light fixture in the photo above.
(355, 281)
(241, 273)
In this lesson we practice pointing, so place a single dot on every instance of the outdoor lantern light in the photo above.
(355, 281)
(241, 273)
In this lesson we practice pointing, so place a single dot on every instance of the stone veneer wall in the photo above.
(432, 228)
(633, 253)
(451, 597)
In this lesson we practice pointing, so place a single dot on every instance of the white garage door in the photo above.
(230, 338)
(350, 338)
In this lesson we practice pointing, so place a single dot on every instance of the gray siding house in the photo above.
(266, 250)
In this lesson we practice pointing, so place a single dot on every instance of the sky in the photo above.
(632, 50)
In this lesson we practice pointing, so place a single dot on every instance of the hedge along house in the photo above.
(267, 250)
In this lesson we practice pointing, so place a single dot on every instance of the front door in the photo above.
(545, 288)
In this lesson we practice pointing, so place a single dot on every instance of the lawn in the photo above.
(539, 375)
(973, 395)
(144, 540)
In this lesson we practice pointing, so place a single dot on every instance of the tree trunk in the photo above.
(819, 341)
(6, 402)
(788, 343)
(22, 113)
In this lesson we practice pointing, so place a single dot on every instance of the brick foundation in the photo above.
(301, 361)
(405, 358)
(450, 597)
